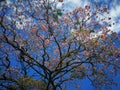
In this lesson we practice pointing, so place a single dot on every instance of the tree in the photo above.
(49, 47)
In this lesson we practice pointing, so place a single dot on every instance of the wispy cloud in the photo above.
(72, 4)
(115, 15)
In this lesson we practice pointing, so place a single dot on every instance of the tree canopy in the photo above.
(42, 47)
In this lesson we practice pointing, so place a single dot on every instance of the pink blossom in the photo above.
(43, 27)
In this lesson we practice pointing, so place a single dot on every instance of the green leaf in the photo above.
(110, 53)
(48, 6)
(55, 17)
(59, 12)
(81, 30)
(91, 31)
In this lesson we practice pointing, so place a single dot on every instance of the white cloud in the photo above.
(8, 2)
(115, 11)
(72, 4)
(59, 5)
(116, 27)
(20, 24)
(115, 15)
(78, 3)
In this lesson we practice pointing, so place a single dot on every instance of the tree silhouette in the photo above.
(42, 47)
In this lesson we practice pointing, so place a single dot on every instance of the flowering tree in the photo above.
(41, 43)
